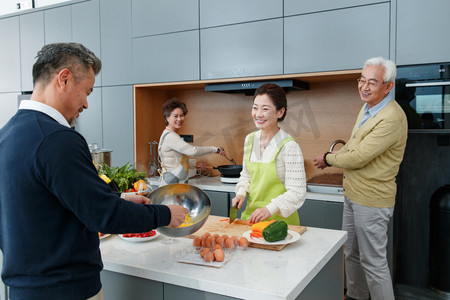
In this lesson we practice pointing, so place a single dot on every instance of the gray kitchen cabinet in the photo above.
(422, 32)
(58, 25)
(159, 59)
(31, 41)
(118, 286)
(241, 51)
(10, 55)
(117, 119)
(295, 7)
(219, 203)
(336, 40)
(3, 287)
(219, 12)
(322, 214)
(9, 105)
(86, 28)
(89, 123)
(157, 17)
(180, 292)
(115, 38)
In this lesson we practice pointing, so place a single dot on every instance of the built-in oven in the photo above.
(423, 91)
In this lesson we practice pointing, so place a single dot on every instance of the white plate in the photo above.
(104, 236)
(138, 239)
(291, 238)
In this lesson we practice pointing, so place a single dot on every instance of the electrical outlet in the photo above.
(188, 138)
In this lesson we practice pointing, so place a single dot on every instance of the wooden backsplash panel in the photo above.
(315, 118)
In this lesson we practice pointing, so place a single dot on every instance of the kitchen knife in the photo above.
(233, 214)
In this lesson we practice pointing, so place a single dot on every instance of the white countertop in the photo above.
(249, 274)
(214, 184)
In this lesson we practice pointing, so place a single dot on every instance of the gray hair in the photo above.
(52, 58)
(390, 69)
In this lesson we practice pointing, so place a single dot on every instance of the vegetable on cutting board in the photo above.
(259, 227)
(275, 231)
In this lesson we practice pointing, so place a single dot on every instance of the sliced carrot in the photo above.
(255, 234)
(223, 220)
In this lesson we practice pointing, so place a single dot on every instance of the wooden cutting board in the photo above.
(214, 225)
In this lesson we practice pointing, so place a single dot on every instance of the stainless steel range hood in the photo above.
(248, 88)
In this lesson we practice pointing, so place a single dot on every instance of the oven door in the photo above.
(426, 104)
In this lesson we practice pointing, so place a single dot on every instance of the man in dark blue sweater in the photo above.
(52, 202)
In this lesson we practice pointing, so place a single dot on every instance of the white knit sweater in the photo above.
(290, 170)
(173, 147)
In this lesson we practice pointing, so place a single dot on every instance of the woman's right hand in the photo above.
(178, 214)
(237, 201)
(221, 151)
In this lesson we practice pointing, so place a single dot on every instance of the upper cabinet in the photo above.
(58, 25)
(31, 41)
(115, 37)
(167, 57)
(86, 28)
(157, 17)
(10, 55)
(422, 31)
(219, 12)
(295, 7)
(336, 40)
(242, 50)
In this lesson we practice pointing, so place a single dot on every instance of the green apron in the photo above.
(265, 184)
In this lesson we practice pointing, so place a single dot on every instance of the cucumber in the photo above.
(276, 231)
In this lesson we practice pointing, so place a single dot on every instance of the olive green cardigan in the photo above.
(372, 156)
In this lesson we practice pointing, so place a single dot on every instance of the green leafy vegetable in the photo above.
(124, 176)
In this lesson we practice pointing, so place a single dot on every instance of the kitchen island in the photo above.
(311, 268)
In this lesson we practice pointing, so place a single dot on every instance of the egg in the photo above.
(209, 241)
(204, 242)
(197, 242)
(216, 246)
(243, 242)
(219, 255)
(216, 236)
(209, 256)
(220, 241)
(235, 240)
(204, 251)
(225, 237)
(229, 243)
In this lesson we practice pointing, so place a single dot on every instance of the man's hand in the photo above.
(138, 199)
(178, 214)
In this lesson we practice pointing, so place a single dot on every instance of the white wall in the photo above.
(10, 6)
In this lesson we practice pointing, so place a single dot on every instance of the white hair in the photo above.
(390, 69)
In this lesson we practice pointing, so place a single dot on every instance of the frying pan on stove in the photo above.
(230, 170)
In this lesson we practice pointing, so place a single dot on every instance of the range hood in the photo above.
(248, 88)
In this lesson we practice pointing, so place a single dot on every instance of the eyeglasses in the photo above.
(372, 83)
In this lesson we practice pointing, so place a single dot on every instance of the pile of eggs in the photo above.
(212, 246)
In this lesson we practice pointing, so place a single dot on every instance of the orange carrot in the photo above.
(223, 220)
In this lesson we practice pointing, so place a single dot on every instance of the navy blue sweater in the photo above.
(52, 206)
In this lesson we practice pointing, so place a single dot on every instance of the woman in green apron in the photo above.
(173, 151)
(273, 175)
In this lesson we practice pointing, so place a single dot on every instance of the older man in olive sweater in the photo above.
(371, 160)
